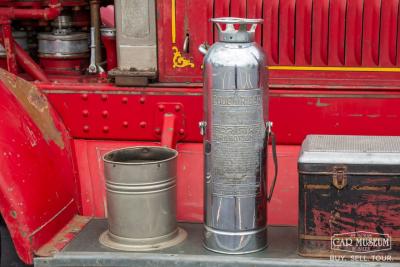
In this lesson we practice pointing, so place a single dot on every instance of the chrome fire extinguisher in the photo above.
(236, 132)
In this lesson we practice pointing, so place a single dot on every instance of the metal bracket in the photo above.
(202, 126)
(170, 122)
(269, 125)
(93, 67)
(339, 177)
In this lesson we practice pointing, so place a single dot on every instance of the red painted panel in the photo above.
(90, 166)
(337, 21)
(370, 47)
(271, 31)
(354, 32)
(286, 32)
(129, 115)
(303, 32)
(283, 208)
(89, 155)
(320, 22)
(317, 112)
(189, 180)
(188, 14)
(137, 114)
(388, 36)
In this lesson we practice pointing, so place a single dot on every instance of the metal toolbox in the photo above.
(349, 193)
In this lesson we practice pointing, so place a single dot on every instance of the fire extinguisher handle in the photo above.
(271, 135)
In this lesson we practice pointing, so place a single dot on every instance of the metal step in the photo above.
(85, 250)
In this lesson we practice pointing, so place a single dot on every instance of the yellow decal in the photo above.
(178, 60)
(355, 69)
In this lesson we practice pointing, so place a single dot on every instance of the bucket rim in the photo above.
(174, 151)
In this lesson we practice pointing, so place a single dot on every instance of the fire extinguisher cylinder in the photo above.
(235, 135)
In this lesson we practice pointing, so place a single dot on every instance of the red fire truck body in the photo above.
(334, 68)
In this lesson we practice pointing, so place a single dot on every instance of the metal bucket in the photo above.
(141, 199)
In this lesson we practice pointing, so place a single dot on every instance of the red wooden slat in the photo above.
(286, 32)
(210, 14)
(336, 43)
(254, 10)
(370, 46)
(196, 12)
(388, 42)
(271, 31)
(354, 29)
(303, 32)
(319, 41)
(238, 8)
(221, 9)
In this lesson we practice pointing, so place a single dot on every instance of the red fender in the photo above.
(37, 178)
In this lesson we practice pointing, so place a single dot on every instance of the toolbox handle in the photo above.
(271, 135)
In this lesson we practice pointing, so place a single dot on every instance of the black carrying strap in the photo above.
(270, 134)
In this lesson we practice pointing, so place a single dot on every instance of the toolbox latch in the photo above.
(339, 179)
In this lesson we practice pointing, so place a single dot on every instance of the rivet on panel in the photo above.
(106, 129)
(161, 107)
(181, 131)
(142, 124)
(104, 97)
(142, 100)
(125, 124)
(177, 107)
(158, 131)
(85, 113)
(85, 96)
(124, 100)
(86, 128)
(104, 114)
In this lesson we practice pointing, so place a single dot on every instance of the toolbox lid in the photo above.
(351, 150)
